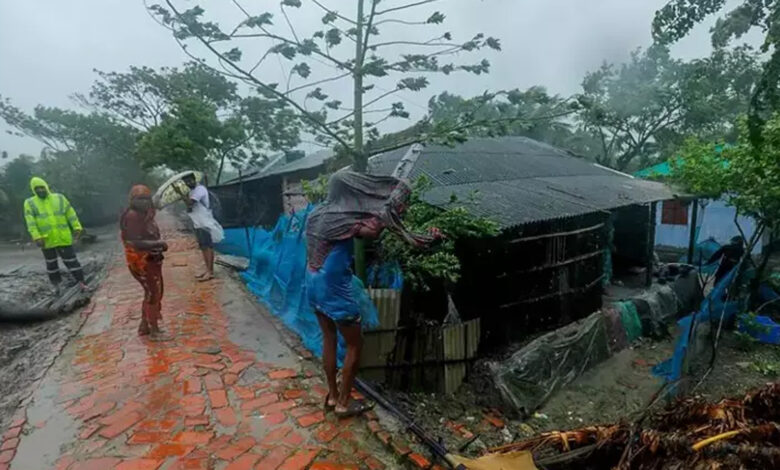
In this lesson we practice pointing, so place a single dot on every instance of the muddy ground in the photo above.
(27, 350)
(615, 390)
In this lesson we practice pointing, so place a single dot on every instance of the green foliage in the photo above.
(194, 117)
(747, 176)
(530, 113)
(421, 267)
(767, 368)
(14, 181)
(676, 20)
(373, 61)
(89, 157)
(142, 96)
(183, 139)
(641, 111)
(316, 191)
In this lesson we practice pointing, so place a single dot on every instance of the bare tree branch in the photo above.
(289, 23)
(316, 123)
(374, 101)
(240, 7)
(464, 127)
(407, 23)
(328, 10)
(319, 82)
(369, 27)
(405, 7)
(415, 43)
(269, 35)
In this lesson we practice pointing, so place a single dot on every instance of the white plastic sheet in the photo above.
(203, 218)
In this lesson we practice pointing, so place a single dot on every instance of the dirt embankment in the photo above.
(28, 348)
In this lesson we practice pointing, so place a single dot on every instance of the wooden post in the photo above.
(692, 231)
(360, 161)
(650, 244)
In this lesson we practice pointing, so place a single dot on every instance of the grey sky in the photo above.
(48, 48)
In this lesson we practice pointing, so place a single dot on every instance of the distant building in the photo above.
(714, 219)
(259, 197)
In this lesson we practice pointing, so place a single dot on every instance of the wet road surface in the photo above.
(226, 391)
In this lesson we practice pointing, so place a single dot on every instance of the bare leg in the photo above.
(208, 260)
(354, 337)
(209, 254)
(143, 328)
(329, 344)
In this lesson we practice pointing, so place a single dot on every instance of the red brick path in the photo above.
(198, 401)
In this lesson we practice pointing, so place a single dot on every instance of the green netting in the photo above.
(630, 318)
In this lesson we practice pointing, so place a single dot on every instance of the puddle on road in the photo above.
(248, 327)
(51, 426)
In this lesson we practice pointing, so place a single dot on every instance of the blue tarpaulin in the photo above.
(713, 307)
(277, 273)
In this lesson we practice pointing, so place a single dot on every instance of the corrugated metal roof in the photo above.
(516, 180)
(279, 166)
(306, 163)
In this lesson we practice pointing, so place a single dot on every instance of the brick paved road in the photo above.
(226, 392)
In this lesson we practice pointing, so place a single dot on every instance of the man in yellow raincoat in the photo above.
(52, 223)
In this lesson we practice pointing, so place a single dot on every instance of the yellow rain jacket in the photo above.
(51, 218)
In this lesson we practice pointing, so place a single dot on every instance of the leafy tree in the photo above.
(530, 113)
(746, 175)
(185, 137)
(14, 181)
(142, 97)
(640, 111)
(192, 117)
(678, 17)
(346, 47)
(90, 157)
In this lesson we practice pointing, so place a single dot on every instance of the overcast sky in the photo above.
(49, 48)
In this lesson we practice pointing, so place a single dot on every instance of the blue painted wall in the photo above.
(715, 220)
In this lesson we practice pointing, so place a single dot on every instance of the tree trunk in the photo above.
(766, 254)
(221, 167)
(360, 163)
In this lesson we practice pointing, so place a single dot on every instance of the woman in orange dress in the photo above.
(144, 252)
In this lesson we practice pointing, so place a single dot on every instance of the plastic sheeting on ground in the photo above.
(765, 329)
(277, 273)
(531, 375)
(528, 378)
(712, 309)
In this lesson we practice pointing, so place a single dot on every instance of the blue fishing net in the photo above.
(239, 241)
(277, 276)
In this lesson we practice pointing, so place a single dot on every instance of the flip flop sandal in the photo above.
(206, 278)
(355, 408)
(160, 337)
(328, 406)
